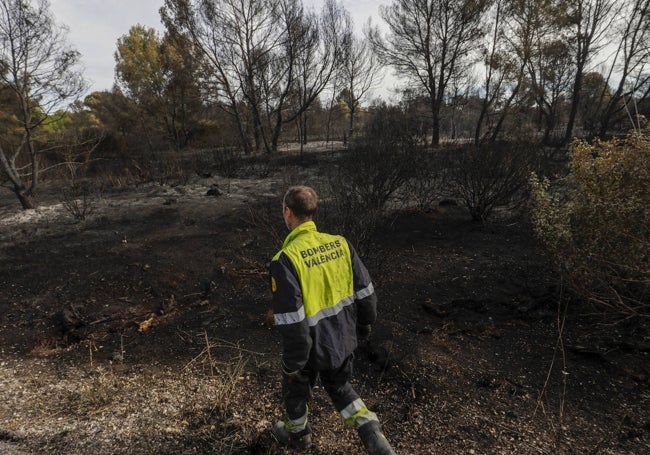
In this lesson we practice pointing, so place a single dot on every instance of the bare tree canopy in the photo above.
(268, 60)
(41, 71)
(629, 63)
(588, 23)
(430, 42)
(359, 72)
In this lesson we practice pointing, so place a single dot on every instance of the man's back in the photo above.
(324, 268)
(314, 297)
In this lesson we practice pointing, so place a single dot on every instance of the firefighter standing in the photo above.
(323, 298)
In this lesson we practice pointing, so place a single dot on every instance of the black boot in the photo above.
(374, 440)
(296, 440)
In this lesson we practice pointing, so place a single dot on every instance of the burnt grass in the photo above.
(146, 329)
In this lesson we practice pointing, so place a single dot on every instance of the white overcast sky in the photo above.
(95, 25)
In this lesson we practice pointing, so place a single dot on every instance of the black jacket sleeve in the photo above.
(365, 296)
(289, 314)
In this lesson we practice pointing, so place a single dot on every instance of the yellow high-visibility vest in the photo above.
(323, 264)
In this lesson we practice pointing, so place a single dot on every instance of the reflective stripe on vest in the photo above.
(290, 318)
(297, 316)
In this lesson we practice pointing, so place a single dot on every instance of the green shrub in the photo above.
(596, 222)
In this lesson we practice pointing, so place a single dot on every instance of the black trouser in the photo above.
(296, 391)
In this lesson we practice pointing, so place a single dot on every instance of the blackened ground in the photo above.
(146, 329)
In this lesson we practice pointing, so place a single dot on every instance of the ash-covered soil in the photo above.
(146, 329)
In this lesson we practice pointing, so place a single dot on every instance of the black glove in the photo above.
(363, 332)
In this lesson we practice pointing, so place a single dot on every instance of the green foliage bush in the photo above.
(596, 222)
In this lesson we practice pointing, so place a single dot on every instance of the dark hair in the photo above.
(303, 200)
